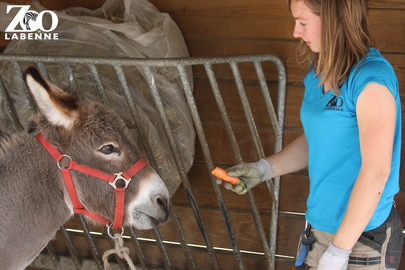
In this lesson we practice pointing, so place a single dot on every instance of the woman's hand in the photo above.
(251, 174)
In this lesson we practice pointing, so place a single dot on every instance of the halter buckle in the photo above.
(118, 176)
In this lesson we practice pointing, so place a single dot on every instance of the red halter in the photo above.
(112, 179)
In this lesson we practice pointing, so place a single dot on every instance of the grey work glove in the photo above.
(251, 174)
(334, 258)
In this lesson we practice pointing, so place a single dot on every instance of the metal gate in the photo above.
(211, 70)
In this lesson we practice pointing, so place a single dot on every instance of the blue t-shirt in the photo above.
(334, 159)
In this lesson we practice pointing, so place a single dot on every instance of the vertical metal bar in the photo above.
(10, 107)
(71, 248)
(91, 243)
(267, 98)
(136, 117)
(134, 113)
(99, 85)
(71, 77)
(246, 108)
(173, 146)
(270, 185)
(208, 159)
(162, 249)
(256, 139)
(282, 85)
(138, 249)
(181, 238)
(43, 71)
(224, 114)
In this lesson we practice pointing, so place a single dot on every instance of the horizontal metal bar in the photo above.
(156, 62)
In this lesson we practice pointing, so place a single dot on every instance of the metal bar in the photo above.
(276, 117)
(10, 107)
(223, 112)
(144, 140)
(162, 249)
(259, 149)
(174, 149)
(282, 85)
(208, 159)
(43, 71)
(135, 114)
(99, 85)
(152, 62)
(71, 77)
(71, 248)
(267, 98)
(138, 249)
(181, 238)
(91, 243)
(246, 108)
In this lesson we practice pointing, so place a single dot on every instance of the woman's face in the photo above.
(307, 25)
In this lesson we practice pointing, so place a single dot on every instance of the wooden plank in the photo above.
(388, 29)
(257, 19)
(372, 4)
(221, 151)
(60, 5)
(260, 19)
(386, 4)
(264, 20)
(293, 193)
(238, 18)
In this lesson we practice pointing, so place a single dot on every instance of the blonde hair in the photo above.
(345, 39)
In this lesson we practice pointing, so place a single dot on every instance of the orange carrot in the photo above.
(222, 174)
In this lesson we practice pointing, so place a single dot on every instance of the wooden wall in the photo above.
(230, 27)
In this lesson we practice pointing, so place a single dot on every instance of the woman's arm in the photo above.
(376, 115)
(292, 158)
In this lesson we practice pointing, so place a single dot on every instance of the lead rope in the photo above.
(120, 250)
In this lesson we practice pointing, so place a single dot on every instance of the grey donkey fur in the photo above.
(33, 198)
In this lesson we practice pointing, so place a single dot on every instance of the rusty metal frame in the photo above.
(275, 113)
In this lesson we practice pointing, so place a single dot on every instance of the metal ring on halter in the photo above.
(58, 163)
(109, 232)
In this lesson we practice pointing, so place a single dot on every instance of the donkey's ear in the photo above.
(58, 106)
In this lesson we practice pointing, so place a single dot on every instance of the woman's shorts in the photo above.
(379, 248)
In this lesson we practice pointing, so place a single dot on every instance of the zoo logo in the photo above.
(335, 104)
(30, 21)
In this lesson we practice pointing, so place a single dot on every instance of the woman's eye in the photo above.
(109, 149)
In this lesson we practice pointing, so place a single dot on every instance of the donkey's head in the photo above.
(95, 136)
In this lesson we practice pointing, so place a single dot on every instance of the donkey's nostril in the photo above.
(161, 202)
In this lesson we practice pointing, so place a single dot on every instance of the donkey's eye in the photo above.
(109, 149)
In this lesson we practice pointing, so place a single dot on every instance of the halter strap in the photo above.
(122, 179)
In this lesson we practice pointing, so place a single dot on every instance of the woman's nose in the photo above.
(297, 33)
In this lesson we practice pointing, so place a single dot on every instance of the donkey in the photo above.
(89, 143)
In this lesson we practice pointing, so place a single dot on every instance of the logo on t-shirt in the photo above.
(335, 104)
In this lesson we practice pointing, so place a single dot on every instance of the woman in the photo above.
(351, 144)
